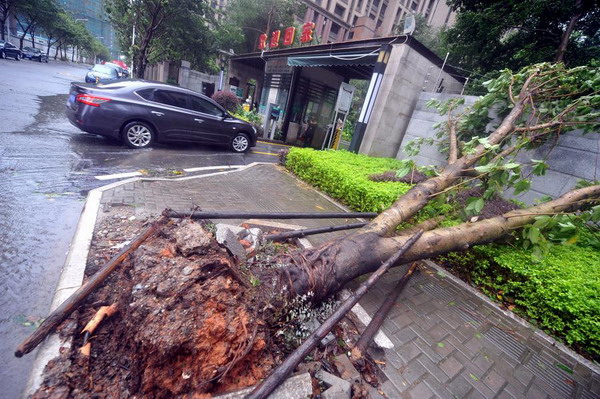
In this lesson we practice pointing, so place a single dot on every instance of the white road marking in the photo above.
(118, 176)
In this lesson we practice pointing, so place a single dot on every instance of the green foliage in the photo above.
(496, 34)
(560, 292)
(164, 30)
(249, 116)
(345, 176)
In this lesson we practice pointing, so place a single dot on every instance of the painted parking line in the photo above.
(265, 153)
(269, 143)
(118, 176)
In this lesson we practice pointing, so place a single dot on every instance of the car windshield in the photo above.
(103, 69)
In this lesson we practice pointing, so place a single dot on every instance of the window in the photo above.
(201, 105)
(339, 10)
(173, 98)
(146, 94)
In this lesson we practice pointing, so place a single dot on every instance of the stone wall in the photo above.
(573, 157)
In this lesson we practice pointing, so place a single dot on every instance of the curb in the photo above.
(72, 273)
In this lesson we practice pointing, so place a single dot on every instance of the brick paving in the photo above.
(449, 342)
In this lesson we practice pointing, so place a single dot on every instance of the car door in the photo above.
(169, 113)
(209, 126)
(10, 50)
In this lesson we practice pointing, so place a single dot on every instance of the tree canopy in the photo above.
(496, 34)
(164, 30)
(246, 20)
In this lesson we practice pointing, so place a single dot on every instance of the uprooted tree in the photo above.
(538, 103)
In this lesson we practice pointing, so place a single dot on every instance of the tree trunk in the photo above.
(32, 35)
(326, 269)
(564, 41)
(56, 52)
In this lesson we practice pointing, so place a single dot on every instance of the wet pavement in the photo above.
(47, 167)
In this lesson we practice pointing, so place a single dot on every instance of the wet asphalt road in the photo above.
(47, 167)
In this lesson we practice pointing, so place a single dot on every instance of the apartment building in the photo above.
(341, 20)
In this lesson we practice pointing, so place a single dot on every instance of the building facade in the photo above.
(341, 20)
(91, 12)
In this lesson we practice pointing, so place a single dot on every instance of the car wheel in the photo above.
(240, 143)
(2, 54)
(46, 60)
(138, 135)
(40, 59)
(18, 57)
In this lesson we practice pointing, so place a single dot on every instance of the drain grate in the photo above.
(549, 373)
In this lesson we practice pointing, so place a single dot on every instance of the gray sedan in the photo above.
(141, 112)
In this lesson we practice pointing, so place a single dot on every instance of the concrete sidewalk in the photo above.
(450, 341)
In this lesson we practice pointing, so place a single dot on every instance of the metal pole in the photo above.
(268, 215)
(441, 70)
(308, 232)
(463, 88)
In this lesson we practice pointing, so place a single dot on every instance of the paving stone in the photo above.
(433, 369)
(451, 366)
(420, 391)
(412, 371)
(494, 381)
(409, 351)
(459, 387)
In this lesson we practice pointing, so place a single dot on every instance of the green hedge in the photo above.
(561, 292)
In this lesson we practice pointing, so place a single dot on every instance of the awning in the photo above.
(345, 59)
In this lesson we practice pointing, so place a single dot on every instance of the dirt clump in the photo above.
(413, 177)
(185, 327)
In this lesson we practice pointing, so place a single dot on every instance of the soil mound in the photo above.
(184, 327)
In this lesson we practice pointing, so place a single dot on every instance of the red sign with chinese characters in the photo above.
(262, 41)
(275, 39)
(307, 32)
(288, 36)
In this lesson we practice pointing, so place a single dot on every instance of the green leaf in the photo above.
(534, 235)
(511, 165)
(596, 213)
(484, 168)
(475, 205)
(540, 167)
(403, 171)
(522, 186)
(541, 221)
(565, 368)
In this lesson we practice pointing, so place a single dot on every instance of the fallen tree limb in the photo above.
(90, 327)
(306, 232)
(365, 339)
(267, 215)
(289, 364)
(77, 298)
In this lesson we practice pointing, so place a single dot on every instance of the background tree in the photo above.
(495, 34)
(164, 29)
(6, 9)
(251, 18)
(28, 15)
(434, 39)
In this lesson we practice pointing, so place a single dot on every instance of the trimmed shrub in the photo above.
(560, 293)
(227, 100)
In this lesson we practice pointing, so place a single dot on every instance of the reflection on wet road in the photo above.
(46, 169)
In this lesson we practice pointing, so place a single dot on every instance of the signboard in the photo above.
(289, 34)
(344, 100)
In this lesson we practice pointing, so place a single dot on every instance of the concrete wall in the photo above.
(573, 157)
(193, 80)
(403, 81)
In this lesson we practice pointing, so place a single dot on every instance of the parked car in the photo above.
(101, 74)
(120, 71)
(7, 49)
(141, 112)
(34, 54)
